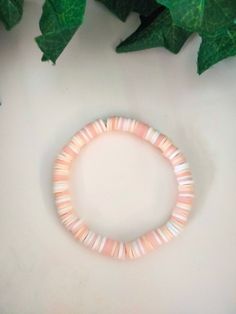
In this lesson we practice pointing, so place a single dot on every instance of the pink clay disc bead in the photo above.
(152, 239)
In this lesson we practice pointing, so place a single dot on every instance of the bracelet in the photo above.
(152, 239)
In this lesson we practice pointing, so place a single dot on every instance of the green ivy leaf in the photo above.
(202, 16)
(155, 31)
(122, 8)
(216, 48)
(59, 21)
(11, 12)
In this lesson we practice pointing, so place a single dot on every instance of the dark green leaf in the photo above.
(122, 8)
(215, 48)
(202, 16)
(11, 12)
(157, 31)
(58, 23)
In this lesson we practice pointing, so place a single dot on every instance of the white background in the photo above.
(123, 187)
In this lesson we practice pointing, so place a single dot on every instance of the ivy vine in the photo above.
(163, 23)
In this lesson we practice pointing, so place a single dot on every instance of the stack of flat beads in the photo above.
(152, 239)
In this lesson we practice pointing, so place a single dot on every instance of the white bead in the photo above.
(174, 154)
(121, 250)
(140, 246)
(96, 243)
(136, 249)
(102, 124)
(172, 229)
(181, 167)
(102, 244)
(89, 238)
(186, 182)
(98, 127)
(132, 126)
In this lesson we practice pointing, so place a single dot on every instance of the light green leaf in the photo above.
(216, 48)
(202, 16)
(156, 31)
(122, 8)
(11, 12)
(58, 23)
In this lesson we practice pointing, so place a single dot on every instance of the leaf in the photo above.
(11, 12)
(202, 16)
(157, 31)
(216, 48)
(59, 21)
(122, 8)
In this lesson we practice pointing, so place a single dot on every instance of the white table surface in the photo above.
(43, 270)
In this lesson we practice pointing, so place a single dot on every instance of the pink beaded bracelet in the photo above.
(148, 241)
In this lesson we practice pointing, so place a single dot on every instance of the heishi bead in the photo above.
(165, 144)
(114, 250)
(97, 243)
(74, 148)
(147, 245)
(141, 129)
(140, 245)
(99, 127)
(179, 159)
(162, 235)
(121, 124)
(152, 135)
(61, 168)
(121, 251)
(128, 251)
(60, 177)
(181, 167)
(78, 140)
(64, 204)
(89, 131)
(174, 154)
(70, 152)
(169, 151)
(178, 224)
(81, 228)
(67, 158)
(89, 238)
(160, 138)
(133, 126)
(103, 241)
(185, 175)
(150, 237)
(60, 187)
(167, 232)
(82, 235)
(84, 135)
(135, 249)
(111, 124)
(172, 229)
(150, 240)
(76, 225)
(181, 216)
(69, 224)
(157, 237)
(63, 211)
(107, 248)
(62, 198)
